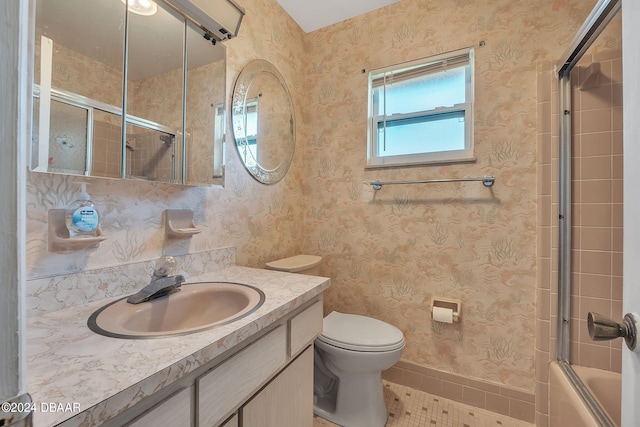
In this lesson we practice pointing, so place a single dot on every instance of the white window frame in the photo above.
(375, 160)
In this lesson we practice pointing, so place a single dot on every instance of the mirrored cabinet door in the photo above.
(155, 83)
(205, 110)
(172, 80)
(78, 80)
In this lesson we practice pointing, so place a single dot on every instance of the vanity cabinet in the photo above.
(305, 327)
(233, 381)
(287, 401)
(268, 383)
(173, 411)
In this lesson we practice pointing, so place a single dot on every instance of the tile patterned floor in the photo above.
(413, 408)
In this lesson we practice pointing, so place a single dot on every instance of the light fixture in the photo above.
(141, 7)
(221, 18)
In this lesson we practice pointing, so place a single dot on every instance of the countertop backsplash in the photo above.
(69, 290)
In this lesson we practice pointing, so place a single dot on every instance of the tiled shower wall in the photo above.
(596, 267)
(547, 266)
(597, 215)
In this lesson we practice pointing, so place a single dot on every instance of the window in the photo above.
(422, 112)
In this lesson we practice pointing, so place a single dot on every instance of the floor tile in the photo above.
(414, 408)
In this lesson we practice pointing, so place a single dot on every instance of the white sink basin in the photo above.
(196, 307)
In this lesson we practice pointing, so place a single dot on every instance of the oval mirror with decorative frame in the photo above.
(263, 121)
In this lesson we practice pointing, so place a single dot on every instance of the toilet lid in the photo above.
(295, 263)
(360, 333)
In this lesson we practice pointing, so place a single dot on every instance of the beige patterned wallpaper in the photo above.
(387, 253)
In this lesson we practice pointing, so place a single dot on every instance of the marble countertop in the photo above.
(89, 378)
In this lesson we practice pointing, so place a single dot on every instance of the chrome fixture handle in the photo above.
(165, 266)
(162, 282)
(602, 328)
(157, 288)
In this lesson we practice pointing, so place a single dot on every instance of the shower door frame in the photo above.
(596, 22)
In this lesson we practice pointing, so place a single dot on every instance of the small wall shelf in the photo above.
(59, 238)
(179, 224)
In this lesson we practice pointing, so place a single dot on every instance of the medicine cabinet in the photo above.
(127, 93)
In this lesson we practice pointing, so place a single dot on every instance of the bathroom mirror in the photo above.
(263, 121)
(174, 81)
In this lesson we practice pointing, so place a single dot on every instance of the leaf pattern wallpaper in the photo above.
(387, 252)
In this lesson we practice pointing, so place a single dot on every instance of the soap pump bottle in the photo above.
(82, 217)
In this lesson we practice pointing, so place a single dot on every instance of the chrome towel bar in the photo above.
(486, 180)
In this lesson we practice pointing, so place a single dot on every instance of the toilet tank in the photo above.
(303, 264)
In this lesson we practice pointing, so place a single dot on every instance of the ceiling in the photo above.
(314, 14)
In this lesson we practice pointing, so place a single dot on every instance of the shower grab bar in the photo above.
(486, 180)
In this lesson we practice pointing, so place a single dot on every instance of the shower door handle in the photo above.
(601, 328)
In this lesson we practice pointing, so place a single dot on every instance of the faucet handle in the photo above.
(602, 328)
(165, 266)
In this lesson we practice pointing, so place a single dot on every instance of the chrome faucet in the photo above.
(161, 282)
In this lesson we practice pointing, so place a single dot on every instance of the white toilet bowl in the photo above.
(350, 355)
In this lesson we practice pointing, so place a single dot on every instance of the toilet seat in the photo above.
(360, 333)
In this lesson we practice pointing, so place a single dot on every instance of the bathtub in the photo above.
(567, 408)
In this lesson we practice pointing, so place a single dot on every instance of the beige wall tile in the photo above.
(545, 79)
(542, 420)
(451, 391)
(616, 100)
(598, 120)
(393, 374)
(544, 117)
(595, 238)
(596, 191)
(595, 356)
(484, 386)
(595, 215)
(617, 215)
(522, 410)
(497, 403)
(616, 288)
(595, 144)
(616, 70)
(474, 397)
(598, 168)
(595, 98)
(595, 286)
(598, 305)
(616, 360)
(542, 335)
(544, 276)
(617, 170)
(616, 142)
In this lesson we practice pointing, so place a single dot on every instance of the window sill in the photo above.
(420, 163)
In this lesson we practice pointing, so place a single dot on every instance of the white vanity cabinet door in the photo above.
(174, 411)
(229, 384)
(304, 328)
(287, 401)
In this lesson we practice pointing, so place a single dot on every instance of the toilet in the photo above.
(350, 355)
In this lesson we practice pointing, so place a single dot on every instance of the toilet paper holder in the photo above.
(455, 305)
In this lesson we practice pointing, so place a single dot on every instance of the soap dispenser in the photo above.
(82, 217)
